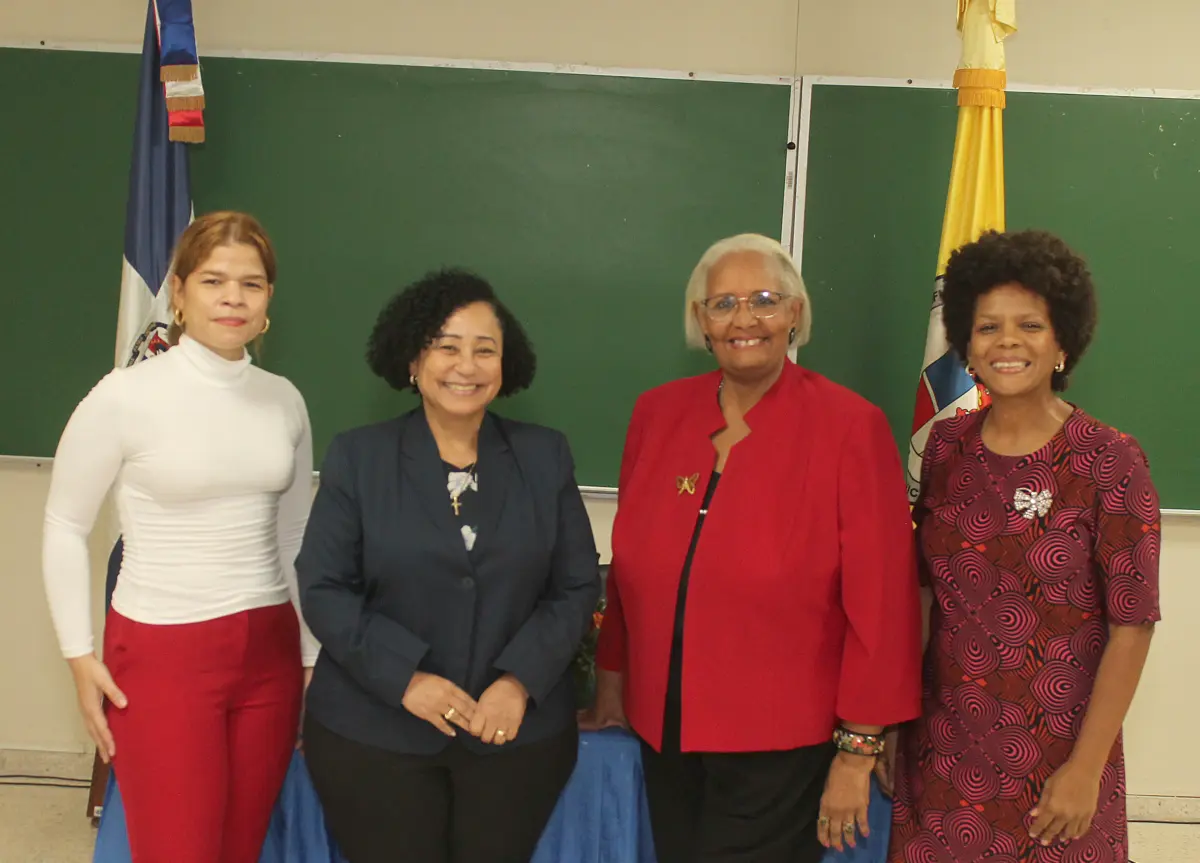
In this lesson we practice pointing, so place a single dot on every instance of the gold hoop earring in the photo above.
(266, 326)
(178, 317)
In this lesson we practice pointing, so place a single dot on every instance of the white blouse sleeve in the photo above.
(86, 464)
(294, 506)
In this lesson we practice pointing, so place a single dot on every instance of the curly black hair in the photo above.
(412, 319)
(1038, 261)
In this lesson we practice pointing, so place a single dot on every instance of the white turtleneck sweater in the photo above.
(210, 462)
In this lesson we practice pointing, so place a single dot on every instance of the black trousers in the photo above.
(454, 807)
(737, 807)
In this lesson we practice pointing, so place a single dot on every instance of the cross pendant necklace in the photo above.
(455, 495)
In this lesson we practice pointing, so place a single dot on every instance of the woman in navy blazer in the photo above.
(449, 572)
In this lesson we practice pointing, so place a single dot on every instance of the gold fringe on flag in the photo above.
(983, 88)
(187, 134)
(179, 73)
(185, 103)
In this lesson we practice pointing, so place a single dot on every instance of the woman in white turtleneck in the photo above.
(209, 458)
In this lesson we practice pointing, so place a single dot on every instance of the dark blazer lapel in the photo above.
(496, 467)
(423, 471)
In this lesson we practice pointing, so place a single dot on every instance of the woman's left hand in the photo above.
(1068, 804)
(843, 811)
(499, 711)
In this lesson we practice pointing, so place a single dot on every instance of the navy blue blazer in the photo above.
(388, 588)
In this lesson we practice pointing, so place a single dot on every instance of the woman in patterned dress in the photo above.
(1039, 537)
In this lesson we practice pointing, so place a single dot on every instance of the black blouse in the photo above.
(674, 700)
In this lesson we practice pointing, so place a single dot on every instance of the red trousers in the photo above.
(204, 744)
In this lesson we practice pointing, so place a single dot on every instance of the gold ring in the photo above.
(847, 828)
(823, 821)
(449, 714)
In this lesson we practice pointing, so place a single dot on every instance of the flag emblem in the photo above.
(159, 205)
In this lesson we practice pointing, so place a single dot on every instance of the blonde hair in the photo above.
(203, 236)
(778, 261)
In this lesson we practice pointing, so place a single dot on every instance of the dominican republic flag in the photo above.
(158, 209)
(159, 206)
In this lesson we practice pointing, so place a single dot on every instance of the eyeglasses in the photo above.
(762, 304)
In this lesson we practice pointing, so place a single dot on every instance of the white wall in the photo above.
(1157, 765)
(38, 706)
(1104, 43)
(1109, 43)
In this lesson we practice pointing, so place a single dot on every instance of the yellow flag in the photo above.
(974, 204)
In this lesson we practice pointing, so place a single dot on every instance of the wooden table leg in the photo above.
(96, 794)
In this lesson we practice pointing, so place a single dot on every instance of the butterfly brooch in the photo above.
(1032, 504)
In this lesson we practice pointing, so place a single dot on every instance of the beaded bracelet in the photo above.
(858, 744)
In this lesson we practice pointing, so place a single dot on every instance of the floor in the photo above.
(48, 824)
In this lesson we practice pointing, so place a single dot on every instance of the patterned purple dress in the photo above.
(1031, 558)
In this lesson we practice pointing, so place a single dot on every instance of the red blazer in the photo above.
(802, 602)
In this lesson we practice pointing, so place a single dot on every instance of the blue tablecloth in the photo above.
(601, 818)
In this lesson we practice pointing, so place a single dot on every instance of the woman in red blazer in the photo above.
(763, 626)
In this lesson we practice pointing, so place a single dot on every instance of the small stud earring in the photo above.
(1062, 365)
(412, 379)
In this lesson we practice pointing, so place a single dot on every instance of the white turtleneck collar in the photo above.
(210, 364)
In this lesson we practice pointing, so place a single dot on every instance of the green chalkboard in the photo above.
(1117, 177)
(66, 128)
(586, 200)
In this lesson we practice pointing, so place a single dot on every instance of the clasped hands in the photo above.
(495, 718)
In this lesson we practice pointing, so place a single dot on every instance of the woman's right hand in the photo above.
(93, 684)
(608, 709)
(439, 702)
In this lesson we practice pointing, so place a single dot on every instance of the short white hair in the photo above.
(778, 261)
